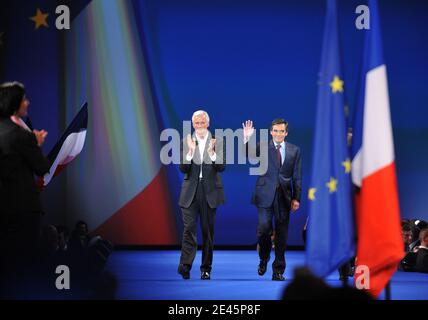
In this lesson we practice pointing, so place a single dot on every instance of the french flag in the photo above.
(379, 246)
(69, 146)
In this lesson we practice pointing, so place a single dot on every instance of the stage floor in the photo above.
(148, 274)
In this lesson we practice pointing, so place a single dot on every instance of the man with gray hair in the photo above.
(202, 159)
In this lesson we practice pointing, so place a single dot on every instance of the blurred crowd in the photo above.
(415, 241)
(39, 273)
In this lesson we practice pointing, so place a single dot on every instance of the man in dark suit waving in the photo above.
(201, 193)
(277, 193)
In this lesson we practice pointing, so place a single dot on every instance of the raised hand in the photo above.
(248, 130)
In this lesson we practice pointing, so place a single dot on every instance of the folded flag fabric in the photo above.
(69, 146)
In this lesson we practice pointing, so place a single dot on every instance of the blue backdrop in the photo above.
(260, 59)
(244, 60)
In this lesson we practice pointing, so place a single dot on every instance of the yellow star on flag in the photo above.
(311, 193)
(332, 185)
(336, 85)
(347, 165)
(40, 19)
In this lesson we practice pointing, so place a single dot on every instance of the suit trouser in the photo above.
(207, 219)
(279, 213)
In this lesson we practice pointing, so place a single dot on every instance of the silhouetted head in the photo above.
(423, 237)
(63, 237)
(81, 228)
(49, 238)
(407, 233)
(307, 286)
(13, 100)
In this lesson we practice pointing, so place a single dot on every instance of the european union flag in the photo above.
(331, 224)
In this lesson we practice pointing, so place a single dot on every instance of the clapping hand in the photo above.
(211, 147)
(40, 136)
(191, 144)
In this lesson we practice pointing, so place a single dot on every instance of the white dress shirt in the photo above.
(201, 147)
(20, 122)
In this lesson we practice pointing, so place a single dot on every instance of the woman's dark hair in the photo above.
(11, 95)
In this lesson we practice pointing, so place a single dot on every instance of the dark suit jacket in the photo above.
(20, 159)
(422, 260)
(288, 177)
(213, 185)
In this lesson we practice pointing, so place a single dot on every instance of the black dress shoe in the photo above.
(277, 276)
(184, 271)
(262, 267)
(205, 275)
